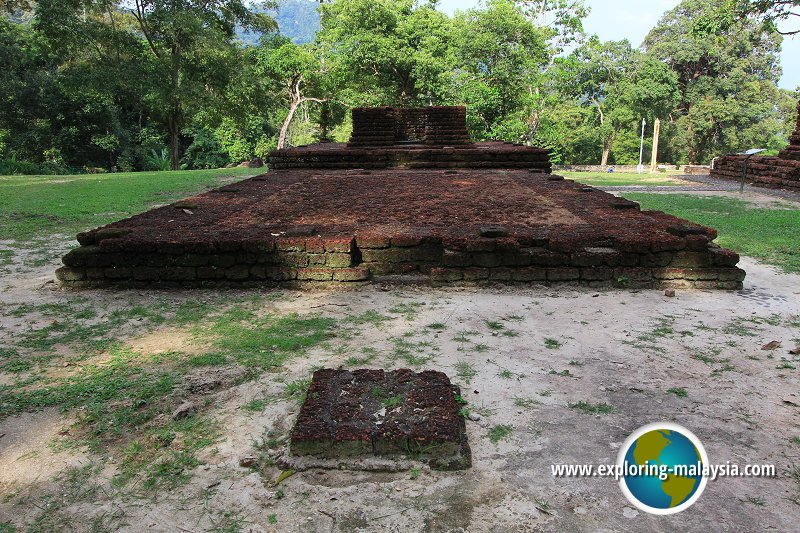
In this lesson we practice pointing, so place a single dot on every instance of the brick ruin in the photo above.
(782, 172)
(424, 208)
(387, 414)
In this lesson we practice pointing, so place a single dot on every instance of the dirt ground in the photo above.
(631, 350)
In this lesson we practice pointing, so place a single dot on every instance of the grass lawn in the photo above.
(615, 179)
(769, 235)
(39, 206)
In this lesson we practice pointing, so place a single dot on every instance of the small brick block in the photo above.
(351, 274)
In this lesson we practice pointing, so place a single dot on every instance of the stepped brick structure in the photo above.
(782, 172)
(378, 413)
(423, 208)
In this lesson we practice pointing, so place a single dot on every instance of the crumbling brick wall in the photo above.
(782, 172)
(385, 126)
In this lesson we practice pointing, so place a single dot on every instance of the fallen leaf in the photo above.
(771, 345)
(286, 474)
(188, 212)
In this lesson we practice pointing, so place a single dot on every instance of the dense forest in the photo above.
(160, 84)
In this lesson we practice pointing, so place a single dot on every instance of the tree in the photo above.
(500, 56)
(621, 85)
(181, 35)
(298, 69)
(771, 13)
(386, 52)
(725, 85)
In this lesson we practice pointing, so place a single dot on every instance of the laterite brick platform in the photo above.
(782, 172)
(376, 413)
(442, 225)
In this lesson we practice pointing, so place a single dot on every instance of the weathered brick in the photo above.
(529, 274)
(78, 256)
(192, 260)
(486, 260)
(315, 246)
(475, 274)
(452, 258)
(222, 260)
(340, 245)
(405, 241)
(690, 260)
(314, 274)
(633, 274)
(563, 274)
(372, 241)
(71, 274)
(177, 273)
(446, 275)
(291, 245)
(351, 274)
(597, 274)
(237, 272)
(143, 273)
(500, 274)
(293, 259)
(338, 260)
(117, 272)
(210, 272)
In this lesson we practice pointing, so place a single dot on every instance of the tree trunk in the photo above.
(285, 127)
(606, 152)
(175, 113)
(174, 142)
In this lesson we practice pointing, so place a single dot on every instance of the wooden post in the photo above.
(654, 157)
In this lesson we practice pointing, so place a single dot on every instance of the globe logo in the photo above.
(662, 468)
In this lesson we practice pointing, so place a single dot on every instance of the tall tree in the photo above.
(726, 84)
(181, 35)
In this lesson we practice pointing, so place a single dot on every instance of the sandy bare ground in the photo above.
(623, 348)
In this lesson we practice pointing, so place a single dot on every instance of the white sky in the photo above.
(614, 20)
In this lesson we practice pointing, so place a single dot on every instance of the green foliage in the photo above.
(31, 206)
(767, 234)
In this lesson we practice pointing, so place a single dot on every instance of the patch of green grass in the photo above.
(109, 399)
(408, 310)
(414, 354)
(796, 440)
(501, 432)
(527, 403)
(552, 344)
(495, 325)
(465, 371)
(464, 336)
(616, 179)
(506, 374)
(593, 408)
(546, 392)
(265, 341)
(370, 317)
(297, 389)
(479, 348)
(257, 405)
(576, 363)
(207, 359)
(164, 457)
(33, 206)
(370, 354)
(437, 326)
(680, 392)
(759, 501)
(767, 234)
(415, 472)
(564, 373)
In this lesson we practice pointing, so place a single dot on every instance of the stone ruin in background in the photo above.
(409, 198)
(782, 172)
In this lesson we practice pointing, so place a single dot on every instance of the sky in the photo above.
(614, 20)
